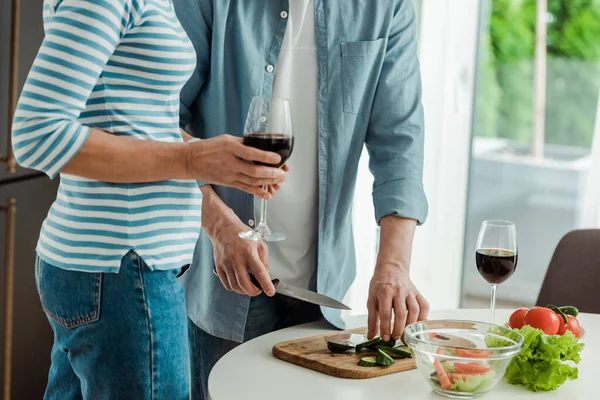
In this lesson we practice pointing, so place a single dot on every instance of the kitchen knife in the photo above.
(301, 294)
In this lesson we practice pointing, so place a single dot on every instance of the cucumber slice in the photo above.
(338, 347)
(448, 366)
(395, 352)
(389, 343)
(369, 344)
(368, 362)
(383, 359)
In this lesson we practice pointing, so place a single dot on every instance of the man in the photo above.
(351, 72)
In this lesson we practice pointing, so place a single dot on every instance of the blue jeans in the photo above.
(116, 336)
(265, 315)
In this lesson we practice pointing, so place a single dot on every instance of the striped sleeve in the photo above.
(80, 37)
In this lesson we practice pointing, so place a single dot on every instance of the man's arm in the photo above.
(395, 144)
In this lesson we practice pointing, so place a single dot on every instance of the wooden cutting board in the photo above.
(312, 353)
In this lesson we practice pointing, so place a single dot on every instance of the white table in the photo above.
(250, 372)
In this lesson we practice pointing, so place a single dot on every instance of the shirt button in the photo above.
(251, 222)
(270, 68)
(284, 14)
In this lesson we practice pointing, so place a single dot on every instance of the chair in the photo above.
(573, 277)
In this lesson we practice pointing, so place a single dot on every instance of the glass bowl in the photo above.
(462, 359)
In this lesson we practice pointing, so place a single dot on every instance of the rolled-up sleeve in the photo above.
(80, 37)
(395, 137)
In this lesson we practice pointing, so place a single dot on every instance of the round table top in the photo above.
(251, 372)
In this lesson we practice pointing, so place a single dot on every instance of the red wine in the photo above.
(274, 142)
(496, 265)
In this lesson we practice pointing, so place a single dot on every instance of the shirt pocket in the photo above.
(70, 298)
(361, 65)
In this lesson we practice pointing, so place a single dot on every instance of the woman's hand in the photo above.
(225, 161)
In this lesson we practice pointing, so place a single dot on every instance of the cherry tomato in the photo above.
(516, 319)
(572, 325)
(543, 318)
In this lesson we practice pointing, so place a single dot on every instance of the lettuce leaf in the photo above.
(542, 364)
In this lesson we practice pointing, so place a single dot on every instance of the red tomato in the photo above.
(516, 319)
(572, 325)
(543, 318)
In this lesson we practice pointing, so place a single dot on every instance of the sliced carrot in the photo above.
(471, 368)
(442, 375)
(474, 353)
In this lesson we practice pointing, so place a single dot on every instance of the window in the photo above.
(531, 143)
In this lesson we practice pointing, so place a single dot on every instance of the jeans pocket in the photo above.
(361, 66)
(70, 298)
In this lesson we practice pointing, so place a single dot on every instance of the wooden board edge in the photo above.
(344, 374)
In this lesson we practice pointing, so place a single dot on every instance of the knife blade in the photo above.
(309, 296)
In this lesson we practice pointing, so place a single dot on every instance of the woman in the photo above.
(100, 106)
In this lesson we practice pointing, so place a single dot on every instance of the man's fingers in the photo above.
(263, 253)
(384, 302)
(414, 310)
(244, 282)
(223, 277)
(400, 314)
(423, 307)
(373, 322)
(262, 276)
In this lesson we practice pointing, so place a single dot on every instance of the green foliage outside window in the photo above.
(505, 88)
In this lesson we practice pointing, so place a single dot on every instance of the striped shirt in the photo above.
(118, 66)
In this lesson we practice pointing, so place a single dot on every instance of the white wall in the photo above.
(448, 43)
(449, 40)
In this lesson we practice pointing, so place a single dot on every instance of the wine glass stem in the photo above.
(493, 302)
(263, 211)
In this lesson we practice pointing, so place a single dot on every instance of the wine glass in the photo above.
(496, 254)
(268, 127)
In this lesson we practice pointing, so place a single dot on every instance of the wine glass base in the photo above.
(266, 236)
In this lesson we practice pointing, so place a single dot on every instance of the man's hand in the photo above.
(234, 256)
(392, 295)
(225, 161)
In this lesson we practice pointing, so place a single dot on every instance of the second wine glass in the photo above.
(496, 254)
(268, 127)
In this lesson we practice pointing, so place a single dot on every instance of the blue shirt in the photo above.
(118, 66)
(369, 93)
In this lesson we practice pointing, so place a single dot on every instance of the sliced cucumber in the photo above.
(369, 344)
(395, 352)
(373, 343)
(338, 347)
(448, 366)
(383, 359)
(368, 362)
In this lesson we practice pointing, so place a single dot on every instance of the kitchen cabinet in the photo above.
(32, 336)
(30, 36)
(31, 195)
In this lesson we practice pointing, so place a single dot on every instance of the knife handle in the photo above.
(255, 281)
